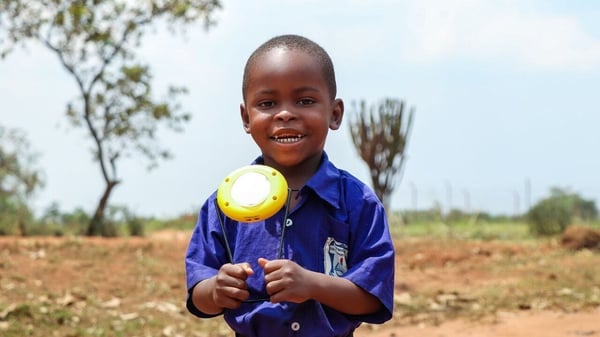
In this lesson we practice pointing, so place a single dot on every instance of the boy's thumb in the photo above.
(262, 262)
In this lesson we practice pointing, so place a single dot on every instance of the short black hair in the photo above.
(294, 42)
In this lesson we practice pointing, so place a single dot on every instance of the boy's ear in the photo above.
(245, 118)
(337, 114)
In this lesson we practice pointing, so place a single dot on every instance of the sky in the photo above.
(505, 95)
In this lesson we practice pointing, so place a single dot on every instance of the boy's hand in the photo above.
(230, 288)
(286, 281)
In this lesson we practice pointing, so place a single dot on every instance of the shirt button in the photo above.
(295, 326)
(289, 223)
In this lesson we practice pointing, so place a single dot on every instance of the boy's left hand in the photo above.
(286, 281)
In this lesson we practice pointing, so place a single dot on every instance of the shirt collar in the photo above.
(324, 183)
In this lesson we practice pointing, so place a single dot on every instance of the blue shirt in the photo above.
(338, 227)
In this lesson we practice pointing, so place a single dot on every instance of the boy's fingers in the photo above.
(262, 262)
(246, 268)
(239, 270)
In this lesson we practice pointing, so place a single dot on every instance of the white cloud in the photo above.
(505, 31)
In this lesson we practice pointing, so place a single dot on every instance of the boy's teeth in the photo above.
(287, 139)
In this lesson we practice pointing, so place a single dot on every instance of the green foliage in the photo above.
(457, 224)
(549, 217)
(434, 215)
(102, 227)
(552, 215)
(57, 223)
(121, 218)
(95, 42)
(19, 179)
(380, 134)
(18, 176)
(76, 221)
(135, 227)
(184, 222)
(457, 215)
(15, 216)
(119, 221)
(431, 215)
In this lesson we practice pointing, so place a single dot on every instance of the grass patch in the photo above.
(505, 231)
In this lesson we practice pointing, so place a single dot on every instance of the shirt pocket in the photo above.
(336, 247)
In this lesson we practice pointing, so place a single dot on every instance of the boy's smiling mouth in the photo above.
(288, 138)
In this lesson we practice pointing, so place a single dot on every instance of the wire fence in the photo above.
(505, 200)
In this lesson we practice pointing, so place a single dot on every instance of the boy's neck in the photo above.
(297, 176)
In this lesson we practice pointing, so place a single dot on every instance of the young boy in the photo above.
(337, 263)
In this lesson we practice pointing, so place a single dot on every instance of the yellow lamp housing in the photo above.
(252, 193)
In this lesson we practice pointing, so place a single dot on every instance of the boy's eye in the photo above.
(266, 104)
(306, 101)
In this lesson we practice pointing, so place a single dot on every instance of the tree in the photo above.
(380, 134)
(95, 42)
(19, 179)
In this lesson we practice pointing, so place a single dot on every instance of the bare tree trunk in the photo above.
(97, 225)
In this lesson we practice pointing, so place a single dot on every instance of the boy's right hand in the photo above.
(230, 288)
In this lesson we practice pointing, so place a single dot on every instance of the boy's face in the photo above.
(288, 109)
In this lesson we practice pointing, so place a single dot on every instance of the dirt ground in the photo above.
(508, 324)
(448, 288)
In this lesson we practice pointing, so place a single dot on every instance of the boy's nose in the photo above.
(285, 114)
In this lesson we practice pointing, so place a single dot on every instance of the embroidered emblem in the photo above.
(335, 254)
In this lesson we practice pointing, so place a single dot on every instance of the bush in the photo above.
(55, 222)
(552, 215)
(122, 221)
(15, 217)
(549, 217)
(135, 226)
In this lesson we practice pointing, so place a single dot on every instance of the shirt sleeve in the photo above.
(371, 256)
(206, 252)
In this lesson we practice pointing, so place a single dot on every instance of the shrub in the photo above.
(55, 222)
(552, 215)
(549, 217)
(122, 221)
(135, 226)
(15, 217)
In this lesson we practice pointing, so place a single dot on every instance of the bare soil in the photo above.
(136, 287)
(507, 324)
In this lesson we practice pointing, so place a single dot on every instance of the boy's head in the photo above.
(294, 42)
(289, 103)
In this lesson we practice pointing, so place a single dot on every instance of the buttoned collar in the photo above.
(324, 183)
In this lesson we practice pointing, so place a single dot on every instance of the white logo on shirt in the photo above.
(335, 254)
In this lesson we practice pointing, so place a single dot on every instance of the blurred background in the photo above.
(120, 118)
(503, 94)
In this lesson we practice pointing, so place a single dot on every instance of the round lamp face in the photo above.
(252, 193)
(250, 189)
